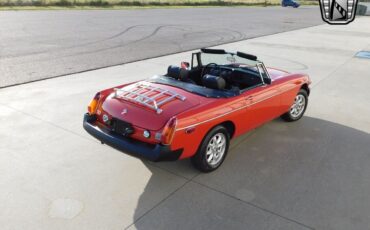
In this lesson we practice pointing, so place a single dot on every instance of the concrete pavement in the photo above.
(311, 174)
(43, 44)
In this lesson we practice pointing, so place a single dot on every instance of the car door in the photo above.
(262, 105)
(262, 101)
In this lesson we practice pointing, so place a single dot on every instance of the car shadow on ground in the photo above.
(308, 173)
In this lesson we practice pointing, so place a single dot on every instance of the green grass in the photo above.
(121, 4)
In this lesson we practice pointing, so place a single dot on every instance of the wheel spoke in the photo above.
(209, 157)
(222, 142)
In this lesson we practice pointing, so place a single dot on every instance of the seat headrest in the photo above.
(213, 82)
(173, 71)
(177, 73)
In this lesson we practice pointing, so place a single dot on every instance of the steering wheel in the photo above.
(206, 66)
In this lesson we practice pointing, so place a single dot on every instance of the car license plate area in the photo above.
(121, 127)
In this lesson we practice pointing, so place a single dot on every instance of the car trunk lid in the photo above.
(148, 105)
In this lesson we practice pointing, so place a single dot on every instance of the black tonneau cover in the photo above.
(200, 90)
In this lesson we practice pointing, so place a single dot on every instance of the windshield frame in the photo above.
(258, 64)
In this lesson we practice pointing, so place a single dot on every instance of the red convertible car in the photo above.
(195, 109)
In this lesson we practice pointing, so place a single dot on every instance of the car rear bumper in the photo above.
(152, 152)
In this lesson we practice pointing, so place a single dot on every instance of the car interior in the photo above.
(220, 77)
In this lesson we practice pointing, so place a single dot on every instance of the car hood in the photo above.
(140, 111)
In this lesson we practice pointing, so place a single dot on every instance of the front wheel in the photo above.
(212, 150)
(298, 108)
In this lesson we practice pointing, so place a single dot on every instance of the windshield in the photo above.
(226, 59)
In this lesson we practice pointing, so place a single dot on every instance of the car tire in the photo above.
(298, 107)
(213, 150)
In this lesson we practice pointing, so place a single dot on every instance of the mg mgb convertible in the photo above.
(195, 109)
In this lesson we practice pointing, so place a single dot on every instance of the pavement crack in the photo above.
(331, 74)
(159, 203)
(169, 195)
(169, 171)
(256, 206)
(46, 121)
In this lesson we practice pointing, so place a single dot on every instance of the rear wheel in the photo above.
(212, 150)
(298, 108)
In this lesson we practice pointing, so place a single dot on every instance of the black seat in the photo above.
(179, 73)
(213, 82)
(173, 71)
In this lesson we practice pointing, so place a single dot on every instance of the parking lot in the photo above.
(74, 41)
(311, 174)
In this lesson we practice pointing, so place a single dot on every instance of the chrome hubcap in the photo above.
(216, 149)
(298, 106)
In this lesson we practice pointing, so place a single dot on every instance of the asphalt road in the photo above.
(43, 44)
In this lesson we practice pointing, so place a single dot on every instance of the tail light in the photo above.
(169, 131)
(93, 104)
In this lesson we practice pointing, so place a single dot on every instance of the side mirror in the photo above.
(185, 65)
(267, 80)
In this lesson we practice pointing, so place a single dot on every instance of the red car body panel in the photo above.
(197, 115)
(246, 111)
